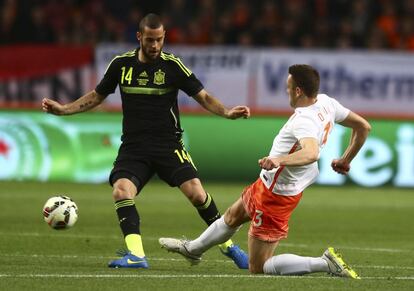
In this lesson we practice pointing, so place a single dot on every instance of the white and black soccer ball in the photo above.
(60, 212)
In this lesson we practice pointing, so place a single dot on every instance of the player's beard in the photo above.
(148, 55)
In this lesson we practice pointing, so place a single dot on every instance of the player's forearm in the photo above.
(308, 153)
(215, 106)
(360, 130)
(299, 158)
(358, 138)
(211, 104)
(84, 103)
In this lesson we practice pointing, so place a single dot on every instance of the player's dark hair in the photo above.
(306, 78)
(151, 20)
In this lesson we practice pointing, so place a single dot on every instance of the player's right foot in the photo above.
(128, 260)
(337, 266)
(179, 246)
(239, 257)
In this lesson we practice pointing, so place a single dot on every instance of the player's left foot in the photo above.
(179, 246)
(239, 257)
(128, 260)
(337, 266)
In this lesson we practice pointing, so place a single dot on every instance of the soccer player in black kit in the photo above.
(149, 80)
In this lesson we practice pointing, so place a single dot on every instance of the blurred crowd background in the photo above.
(339, 24)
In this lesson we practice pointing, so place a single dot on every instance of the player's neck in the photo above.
(141, 57)
(305, 102)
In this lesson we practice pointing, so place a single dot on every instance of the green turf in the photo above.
(372, 227)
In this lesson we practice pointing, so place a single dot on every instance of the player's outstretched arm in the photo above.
(360, 130)
(214, 105)
(308, 154)
(84, 103)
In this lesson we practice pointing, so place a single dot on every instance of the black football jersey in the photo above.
(149, 94)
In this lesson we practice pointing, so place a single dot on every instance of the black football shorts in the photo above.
(138, 163)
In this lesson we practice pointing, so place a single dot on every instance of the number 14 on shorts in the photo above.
(184, 156)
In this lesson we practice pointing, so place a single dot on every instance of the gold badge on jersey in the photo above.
(159, 77)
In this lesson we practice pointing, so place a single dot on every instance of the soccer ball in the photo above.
(60, 212)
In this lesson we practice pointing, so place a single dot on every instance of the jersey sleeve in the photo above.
(186, 79)
(341, 112)
(304, 126)
(191, 85)
(110, 79)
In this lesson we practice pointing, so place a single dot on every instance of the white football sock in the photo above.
(218, 232)
(288, 264)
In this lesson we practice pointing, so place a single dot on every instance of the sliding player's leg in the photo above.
(218, 232)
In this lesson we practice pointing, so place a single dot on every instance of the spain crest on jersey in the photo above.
(159, 77)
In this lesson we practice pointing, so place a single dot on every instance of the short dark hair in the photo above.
(150, 20)
(306, 78)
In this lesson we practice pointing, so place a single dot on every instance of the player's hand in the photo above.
(340, 166)
(238, 112)
(52, 107)
(268, 163)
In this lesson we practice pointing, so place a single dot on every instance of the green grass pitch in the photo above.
(373, 228)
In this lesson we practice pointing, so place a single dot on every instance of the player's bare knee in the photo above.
(120, 191)
(229, 218)
(194, 191)
(119, 194)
